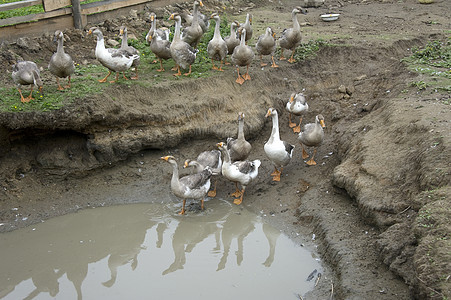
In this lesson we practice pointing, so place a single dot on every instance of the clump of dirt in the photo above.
(376, 203)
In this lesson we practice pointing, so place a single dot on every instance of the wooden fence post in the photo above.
(76, 12)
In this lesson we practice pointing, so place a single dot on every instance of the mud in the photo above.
(382, 169)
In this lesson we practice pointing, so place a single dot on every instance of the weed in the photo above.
(420, 85)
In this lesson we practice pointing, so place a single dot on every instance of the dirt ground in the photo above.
(375, 208)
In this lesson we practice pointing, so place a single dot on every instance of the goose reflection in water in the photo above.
(44, 259)
(46, 253)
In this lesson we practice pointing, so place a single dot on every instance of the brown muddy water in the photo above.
(144, 251)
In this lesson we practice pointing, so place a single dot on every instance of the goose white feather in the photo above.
(278, 151)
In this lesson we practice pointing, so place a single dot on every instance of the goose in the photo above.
(243, 172)
(26, 73)
(211, 159)
(291, 37)
(193, 33)
(239, 148)
(248, 26)
(194, 186)
(161, 33)
(217, 47)
(130, 49)
(242, 56)
(61, 64)
(116, 60)
(278, 151)
(160, 47)
(312, 136)
(231, 40)
(266, 45)
(183, 54)
(296, 106)
(204, 21)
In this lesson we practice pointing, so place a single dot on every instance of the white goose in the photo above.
(194, 186)
(211, 159)
(296, 106)
(312, 136)
(116, 60)
(279, 152)
(243, 172)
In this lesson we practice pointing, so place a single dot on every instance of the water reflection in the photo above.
(105, 252)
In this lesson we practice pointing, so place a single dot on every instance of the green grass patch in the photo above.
(434, 62)
(84, 84)
(18, 12)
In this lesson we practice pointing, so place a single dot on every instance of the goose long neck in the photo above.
(60, 48)
(275, 128)
(226, 154)
(217, 33)
(195, 19)
(100, 42)
(232, 27)
(296, 25)
(178, 22)
(243, 38)
(124, 42)
(241, 129)
(175, 173)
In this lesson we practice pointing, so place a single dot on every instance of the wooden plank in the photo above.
(13, 32)
(50, 5)
(34, 17)
(19, 4)
(97, 7)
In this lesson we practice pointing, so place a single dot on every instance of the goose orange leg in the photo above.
(178, 73)
(304, 153)
(238, 201)
(117, 77)
(182, 212)
(274, 65)
(161, 69)
(220, 67)
(60, 88)
(213, 67)
(240, 79)
(189, 72)
(297, 128)
(312, 162)
(281, 55)
(246, 75)
(104, 79)
(68, 83)
(276, 174)
(237, 192)
(291, 59)
(22, 99)
(212, 193)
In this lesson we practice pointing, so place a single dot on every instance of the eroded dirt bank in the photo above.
(376, 203)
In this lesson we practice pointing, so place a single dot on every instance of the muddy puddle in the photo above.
(138, 251)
